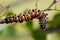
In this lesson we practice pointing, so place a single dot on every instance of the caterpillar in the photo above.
(26, 16)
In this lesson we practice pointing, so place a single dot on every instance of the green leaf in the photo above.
(55, 21)
(11, 30)
(39, 34)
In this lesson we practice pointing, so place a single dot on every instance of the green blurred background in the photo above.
(29, 30)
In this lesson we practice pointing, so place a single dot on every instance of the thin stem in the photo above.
(54, 2)
(36, 3)
(52, 10)
(4, 12)
(55, 6)
(1, 5)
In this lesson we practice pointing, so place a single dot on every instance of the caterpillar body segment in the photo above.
(26, 17)
(43, 21)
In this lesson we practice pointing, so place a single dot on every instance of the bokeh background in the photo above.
(30, 30)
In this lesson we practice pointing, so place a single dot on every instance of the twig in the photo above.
(52, 10)
(36, 3)
(11, 4)
(54, 2)
(4, 12)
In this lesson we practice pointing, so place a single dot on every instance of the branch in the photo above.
(36, 3)
(5, 12)
(2, 9)
(52, 10)
(54, 2)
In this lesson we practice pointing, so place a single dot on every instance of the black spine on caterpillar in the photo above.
(26, 17)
